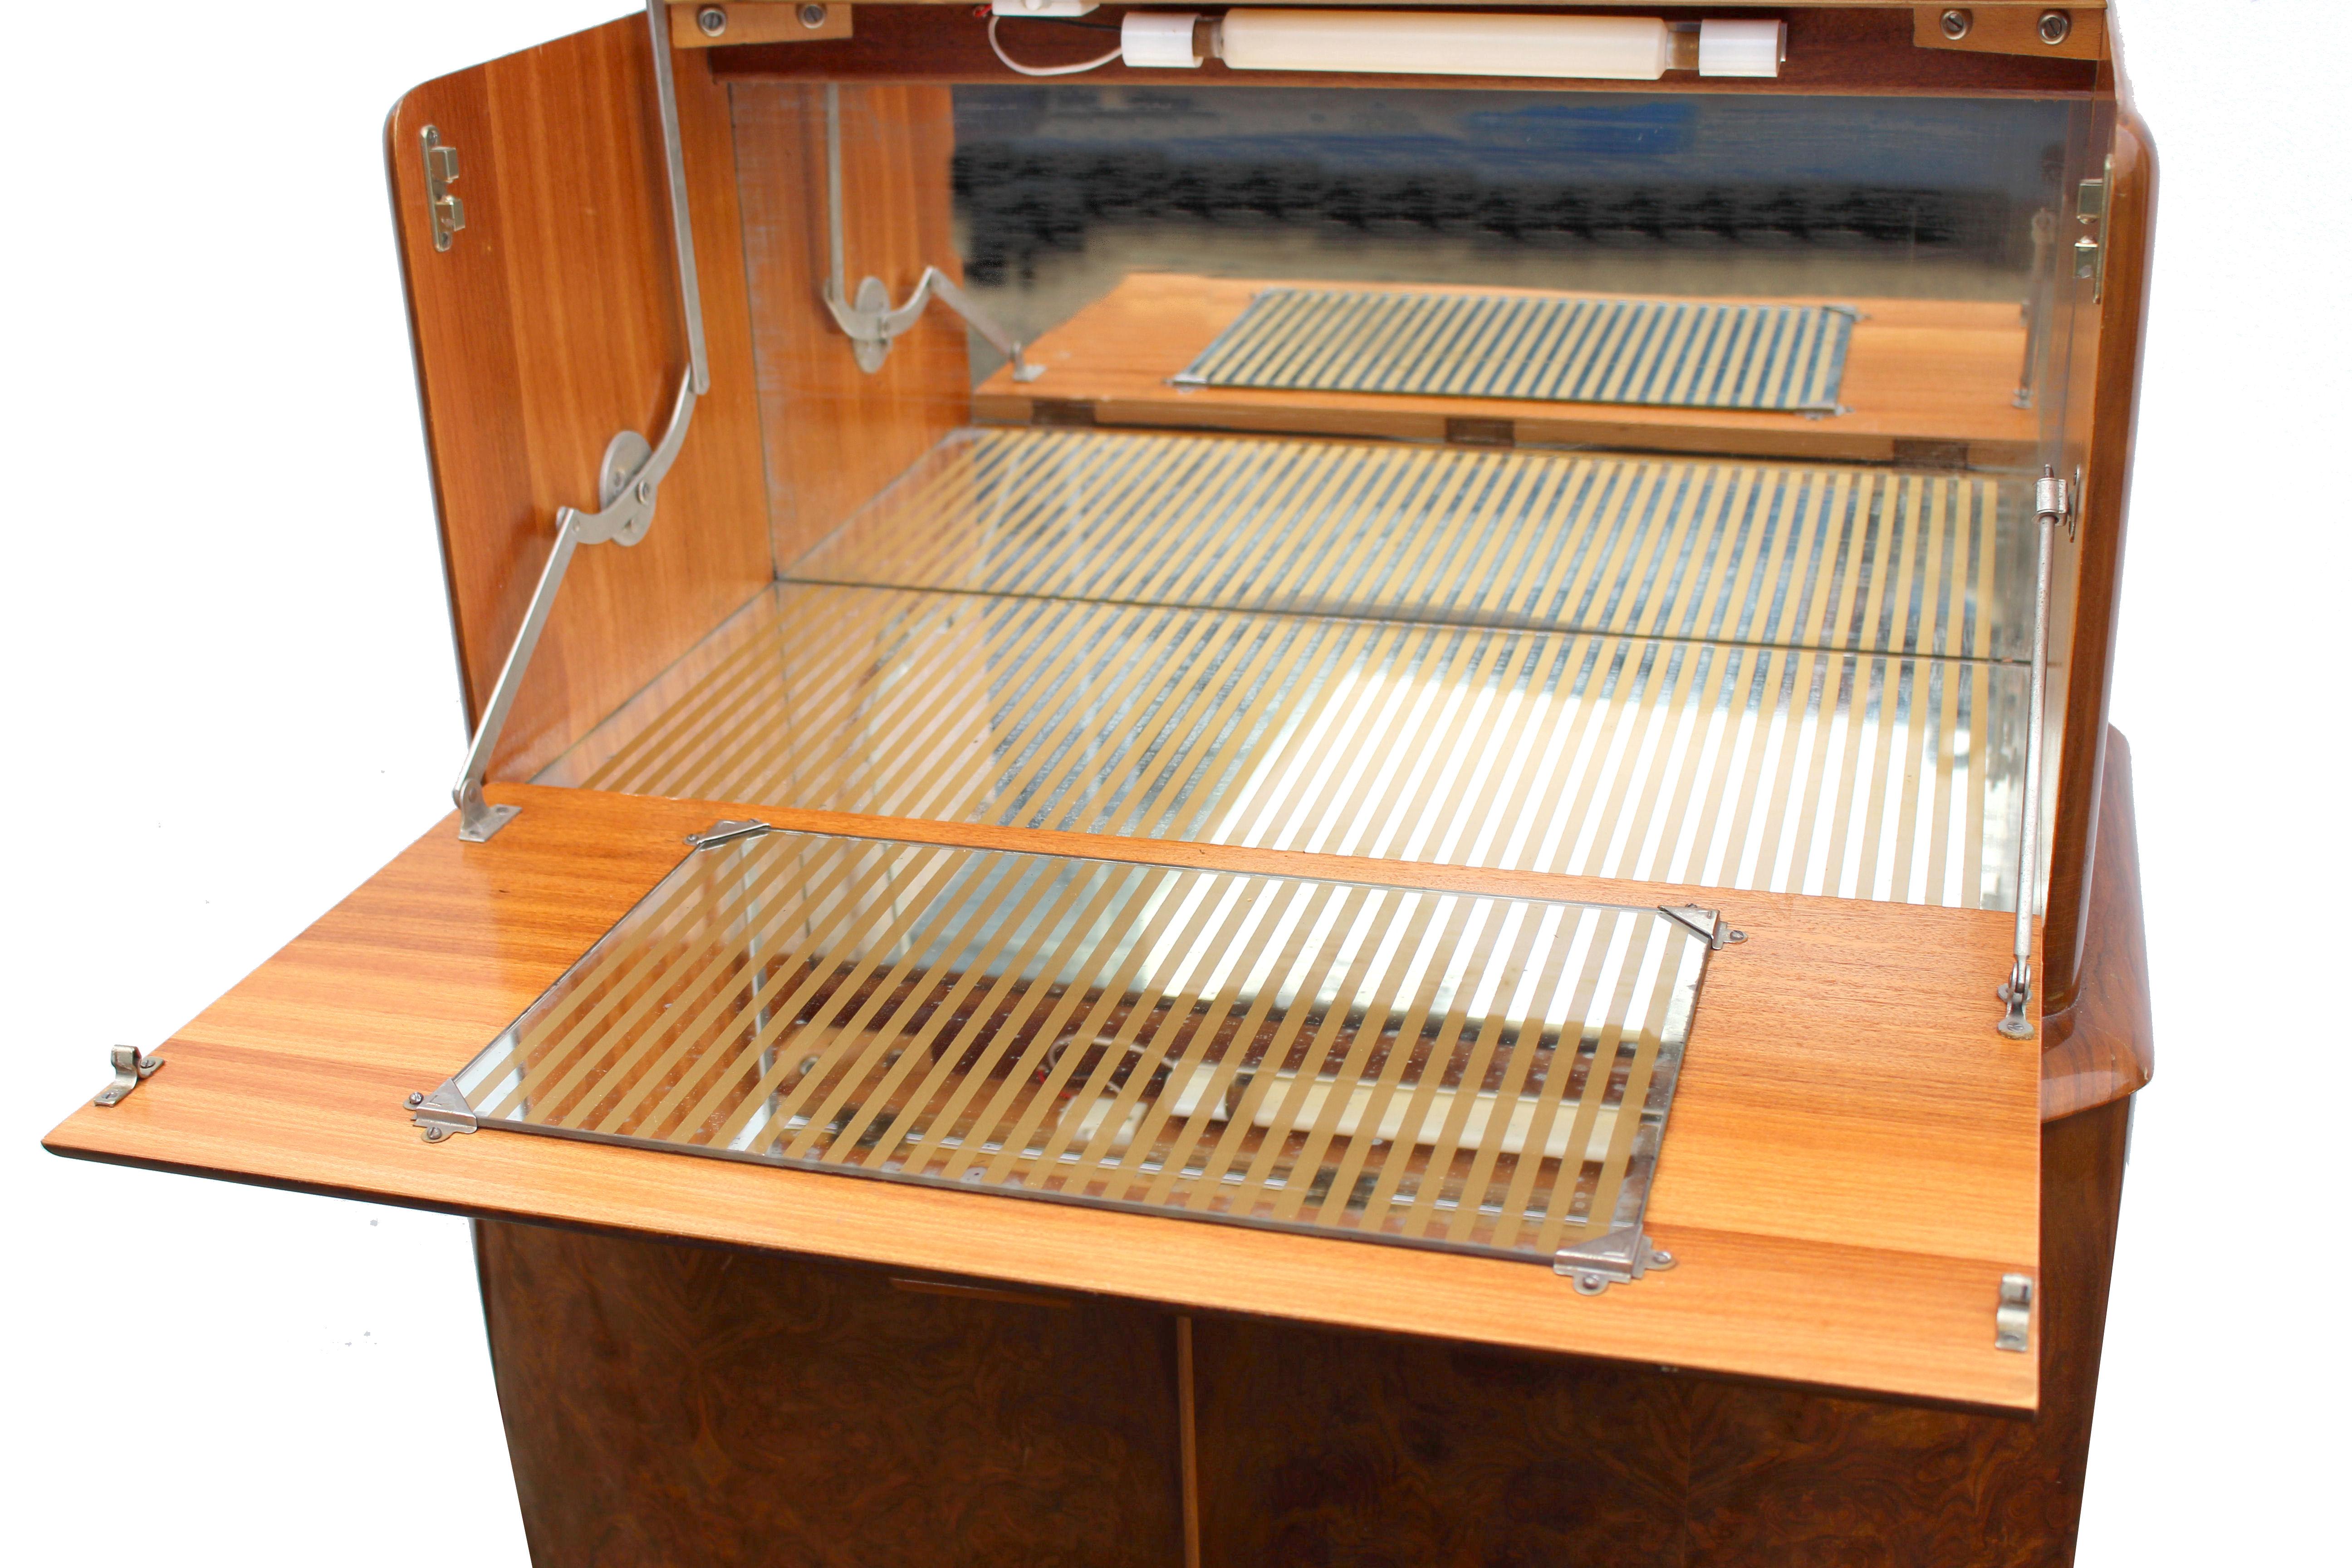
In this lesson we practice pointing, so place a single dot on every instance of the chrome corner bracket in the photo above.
(131, 1070)
(2012, 1320)
(1620, 1257)
(1708, 923)
(871, 323)
(629, 483)
(720, 833)
(2052, 504)
(442, 1112)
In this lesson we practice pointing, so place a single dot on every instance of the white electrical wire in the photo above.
(1042, 70)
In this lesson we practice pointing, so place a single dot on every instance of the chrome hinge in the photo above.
(1622, 1255)
(131, 1069)
(442, 1112)
(1708, 923)
(720, 833)
(448, 212)
(2012, 1320)
(2091, 211)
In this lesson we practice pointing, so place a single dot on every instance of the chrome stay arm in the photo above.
(871, 323)
(2050, 504)
(628, 485)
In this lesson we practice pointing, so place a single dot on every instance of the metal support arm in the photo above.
(2051, 503)
(871, 321)
(628, 485)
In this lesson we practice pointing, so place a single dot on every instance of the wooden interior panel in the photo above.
(551, 324)
(836, 435)
(1932, 371)
(1848, 49)
(1850, 1170)
(670, 1405)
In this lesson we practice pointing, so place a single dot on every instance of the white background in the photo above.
(232, 697)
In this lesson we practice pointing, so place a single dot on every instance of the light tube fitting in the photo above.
(1452, 43)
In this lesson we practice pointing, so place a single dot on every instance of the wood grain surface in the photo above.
(1916, 370)
(670, 1405)
(2102, 1046)
(836, 436)
(548, 325)
(1336, 1448)
(1850, 1170)
(1831, 50)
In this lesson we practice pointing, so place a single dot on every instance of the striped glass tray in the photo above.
(1555, 348)
(1433, 1070)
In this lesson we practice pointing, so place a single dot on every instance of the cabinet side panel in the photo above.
(2102, 434)
(549, 324)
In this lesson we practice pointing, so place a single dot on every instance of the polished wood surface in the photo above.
(834, 435)
(1831, 50)
(2103, 443)
(2102, 1046)
(1849, 1130)
(550, 325)
(1917, 371)
(670, 1405)
(1343, 1448)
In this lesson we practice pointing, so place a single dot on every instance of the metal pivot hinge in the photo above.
(1622, 1255)
(871, 323)
(2091, 247)
(2012, 1320)
(442, 1112)
(448, 212)
(1708, 923)
(628, 485)
(2050, 505)
(131, 1069)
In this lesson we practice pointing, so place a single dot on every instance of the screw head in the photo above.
(416, 1097)
(812, 16)
(712, 20)
(434, 1134)
(2054, 26)
(1956, 25)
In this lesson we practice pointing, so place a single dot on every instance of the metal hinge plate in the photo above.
(2012, 1320)
(131, 1070)
(1708, 923)
(2091, 247)
(442, 1112)
(720, 833)
(446, 212)
(1622, 1255)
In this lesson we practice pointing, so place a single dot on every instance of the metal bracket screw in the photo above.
(2012, 1320)
(712, 20)
(131, 1069)
(1956, 25)
(2054, 28)
(812, 16)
